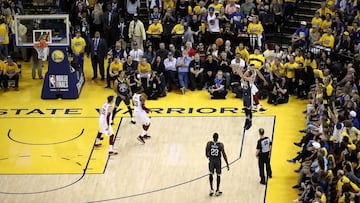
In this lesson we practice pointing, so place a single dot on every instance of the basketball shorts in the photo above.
(142, 116)
(109, 131)
(215, 165)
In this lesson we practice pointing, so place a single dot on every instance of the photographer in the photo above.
(279, 92)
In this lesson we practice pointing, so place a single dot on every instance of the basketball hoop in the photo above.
(42, 49)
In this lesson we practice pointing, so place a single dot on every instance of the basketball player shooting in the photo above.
(105, 125)
(141, 112)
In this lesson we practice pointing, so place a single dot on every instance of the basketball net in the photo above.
(42, 49)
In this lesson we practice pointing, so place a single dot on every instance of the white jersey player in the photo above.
(141, 113)
(105, 125)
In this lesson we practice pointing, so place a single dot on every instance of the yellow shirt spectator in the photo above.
(178, 29)
(217, 7)
(316, 21)
(325, 25)
(244, 53)
(4, 35)
(144, 67)
(290, 69)
(115, 67)
(169, 4)
(327, 40)
(257, 59)
(155, 29)
(312, 63)
(327, 11)
(299, 59)
(255, 28)
(2, 66)
(78, 45)
(11, 68)
(279, 68)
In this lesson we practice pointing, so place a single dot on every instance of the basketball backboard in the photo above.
(54, 28)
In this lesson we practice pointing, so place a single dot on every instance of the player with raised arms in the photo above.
(105, 125)
(141, 112)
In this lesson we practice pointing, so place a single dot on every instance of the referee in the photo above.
(213, 152)
(263, 152)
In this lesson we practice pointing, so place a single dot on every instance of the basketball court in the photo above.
(47, 152)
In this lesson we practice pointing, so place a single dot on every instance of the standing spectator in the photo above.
(78, 45)
(168, 22)
(120, 34)
(176, 53)
(213, 27)
(36, 64)
(255, 31)
(182, 11)
(263, 153)
(4, 38)
(289, 8)
(196, 73)
(290, 68)
(11, 72)
(155, 14)
(109, 21)
(236, 19)
(354, 120)
(96, 16)
(231, 7)
(152, 4)
(327, 40)
(276, 9)
(247, 6)
(132, 6)
(137, 32)
(98, 51)
(182, 64)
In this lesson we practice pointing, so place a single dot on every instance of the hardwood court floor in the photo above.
(43, 126)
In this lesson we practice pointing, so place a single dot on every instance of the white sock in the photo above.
(144, 132)
(97, 141)
(132, 119)
(111, 148)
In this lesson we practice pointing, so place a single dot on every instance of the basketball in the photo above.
(42, 43)
(219, 41)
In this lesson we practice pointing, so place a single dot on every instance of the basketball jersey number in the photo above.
(214, 152)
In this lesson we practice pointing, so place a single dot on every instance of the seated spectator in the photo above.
(189, 49)
(195, 26)
(168, 23)
(154, 32)
(218, 90)
(301, 36)
(213, 26)
(289, 8)
(177, 33)
(149, 54)
(317, 20)
(224, 65)
(11, 72)
(136, 53)
(327, 40)
(327, 23)
(217, 6)
(314, 34)
(229, 50)
(278, 93)
(201, 51)
(247, 6)
(182, 64)
(355, 32)
(171, 75)
(231, 7)
(241, 49)
(144, 72)
(162, 51)
(153, 90)
(158, 68)
(176, 53)
(196, 73)
(115, 67)
(155, 14)
(354, 120)
(213, 50)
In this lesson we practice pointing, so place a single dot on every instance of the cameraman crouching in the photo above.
(218, 90)
(278, 91)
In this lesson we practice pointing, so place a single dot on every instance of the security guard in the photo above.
(263, 151)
